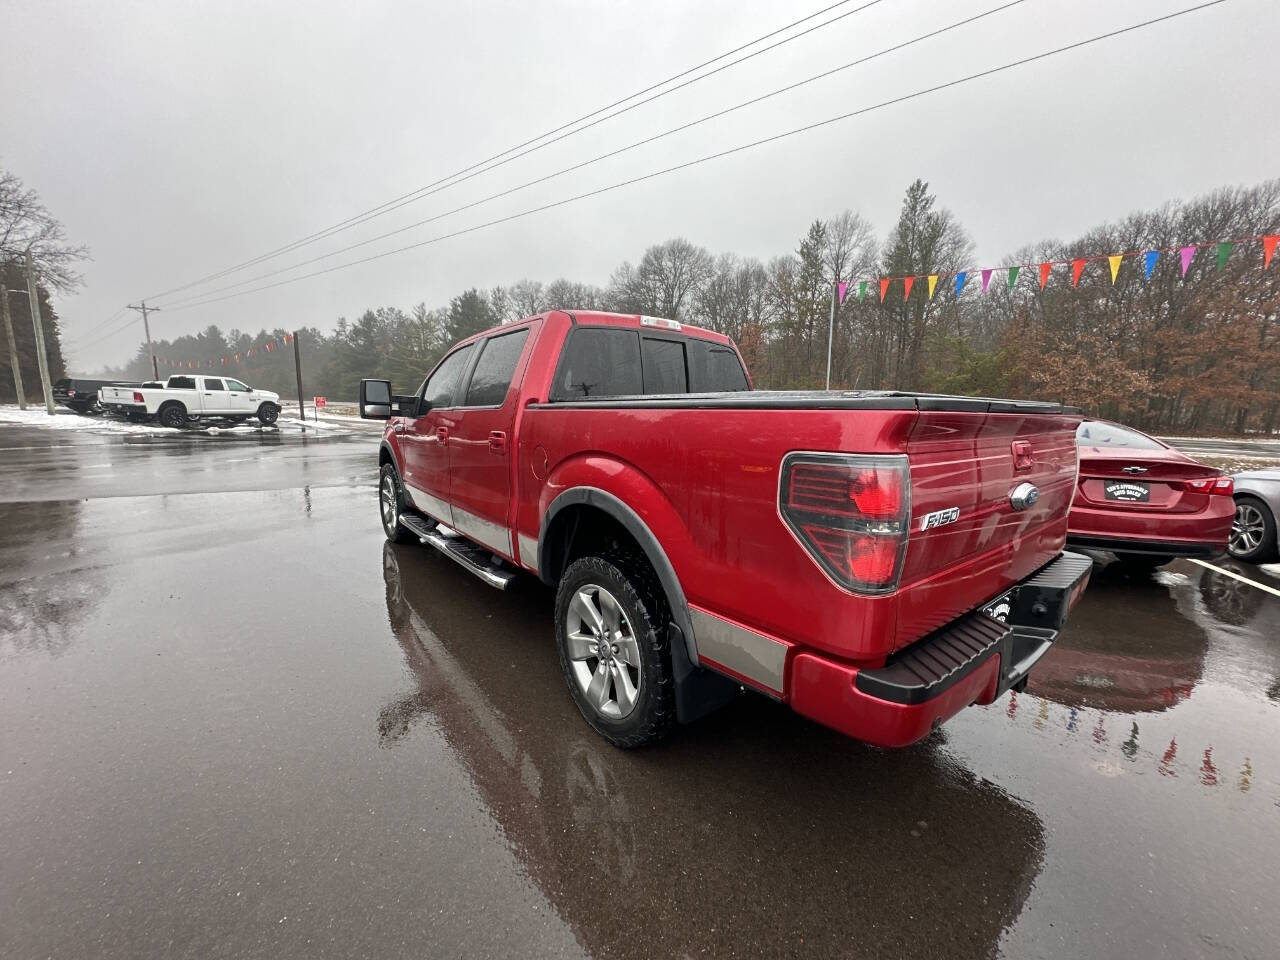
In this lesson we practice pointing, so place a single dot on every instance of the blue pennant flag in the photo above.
(1149, 261)
(960, 281)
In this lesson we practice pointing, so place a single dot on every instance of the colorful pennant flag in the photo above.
(933, 282)
(907, 283)
(862, 289)
(960, 278)
(1044, 273)
(1269, 249)
(1115, 261)
(1149, 262)
(1224, 251)
(986, 279)
(1187, 253)
(884, 286)
(841, 287)
(1013, 276)
(1077, 268)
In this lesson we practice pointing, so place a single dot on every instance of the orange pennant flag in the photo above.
(884, 286)
(1077, 268)
(907, 283)
(1044, 273)
(933, 282)
(1115, 266)
(1269, 249)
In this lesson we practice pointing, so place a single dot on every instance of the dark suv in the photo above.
(82, 395)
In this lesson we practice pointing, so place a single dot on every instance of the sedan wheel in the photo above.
(603, 651)
(1248, 530)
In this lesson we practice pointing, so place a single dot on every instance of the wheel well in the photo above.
(579, 531)
(171, 403)
(384, 457)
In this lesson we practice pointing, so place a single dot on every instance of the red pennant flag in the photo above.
(884, 286)
(907, 283)
(224, 361)
(1044, 273)
(1269, 249)
(1077, 268)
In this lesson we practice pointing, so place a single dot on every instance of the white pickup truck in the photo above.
(184, 398)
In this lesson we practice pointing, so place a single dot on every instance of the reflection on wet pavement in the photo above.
(239, 724)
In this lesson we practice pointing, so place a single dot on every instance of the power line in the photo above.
(488, 164)
(724, 153)
(108, 335)
(100, 324)
(604, 156)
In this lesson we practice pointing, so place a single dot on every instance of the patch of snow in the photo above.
(37, 417)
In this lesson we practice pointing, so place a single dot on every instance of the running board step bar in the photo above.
(471, 557)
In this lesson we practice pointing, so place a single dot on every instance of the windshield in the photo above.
(1093, 433)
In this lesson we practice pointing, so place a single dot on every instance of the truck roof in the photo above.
(604, 318)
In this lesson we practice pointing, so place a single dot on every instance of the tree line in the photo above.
(1167, 354)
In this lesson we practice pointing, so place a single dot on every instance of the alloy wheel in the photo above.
(603, 651)
(1247, 530)
(387, 502)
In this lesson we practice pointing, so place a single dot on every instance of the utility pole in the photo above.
(41, 358)
(297, 368)
(13, 344)
(143, 309)
(831, 328)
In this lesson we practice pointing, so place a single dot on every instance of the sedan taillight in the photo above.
(1222, 486)
(851, 513)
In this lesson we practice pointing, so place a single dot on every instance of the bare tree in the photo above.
(27, 226)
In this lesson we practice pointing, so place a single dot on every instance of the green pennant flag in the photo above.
(1013, 276)
(862, 289)
(1224, 251)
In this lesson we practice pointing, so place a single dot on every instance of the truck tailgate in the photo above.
(116, 394)
(971, 537)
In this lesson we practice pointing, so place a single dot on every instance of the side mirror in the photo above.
(375, 399)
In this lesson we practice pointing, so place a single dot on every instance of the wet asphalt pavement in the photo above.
(237, 723)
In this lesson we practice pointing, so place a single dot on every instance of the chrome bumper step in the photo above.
(473, 558)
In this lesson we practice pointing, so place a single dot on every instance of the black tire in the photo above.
(268, 413)
(96, 409)
(391, 525)
(173, 415)
(1266, 551)
(633, 585)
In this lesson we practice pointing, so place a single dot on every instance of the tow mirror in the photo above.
(375, 399)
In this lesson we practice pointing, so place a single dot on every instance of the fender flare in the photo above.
(391, 453)
(631, 522)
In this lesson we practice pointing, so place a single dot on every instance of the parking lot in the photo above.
(237, 722)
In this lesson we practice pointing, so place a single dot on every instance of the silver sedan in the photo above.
(1253, 534)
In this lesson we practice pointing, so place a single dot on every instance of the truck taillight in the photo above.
(851, 513)
(137, 397)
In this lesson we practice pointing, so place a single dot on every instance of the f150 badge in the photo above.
(939, 518)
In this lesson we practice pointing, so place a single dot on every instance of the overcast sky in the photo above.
(176, 139)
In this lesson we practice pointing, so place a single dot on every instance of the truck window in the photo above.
(714, 368)
(212, 383)
(442, 386)
(599, 362)
(497, 365)
(181, 383)
(663, 366)
(236, 386)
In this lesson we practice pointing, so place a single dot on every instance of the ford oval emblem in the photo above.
(1024, 495)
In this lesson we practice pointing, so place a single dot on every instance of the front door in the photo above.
(239, 397)
(425, 440)
(481, 443)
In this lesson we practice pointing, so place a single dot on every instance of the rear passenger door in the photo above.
(482, 440)
(213, 396)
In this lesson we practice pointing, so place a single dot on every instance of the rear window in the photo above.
(599, 362)
(61, 384)
(182, 383)
(212, 384)
(1091, 433)
(714, 368)
(663, 366)
(495, 368)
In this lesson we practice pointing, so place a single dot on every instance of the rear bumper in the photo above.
(973, 659)
(1212, 547)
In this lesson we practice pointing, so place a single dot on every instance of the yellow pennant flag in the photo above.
(933, 282)
(1115, 266)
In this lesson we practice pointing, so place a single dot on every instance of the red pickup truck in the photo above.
(877, 560)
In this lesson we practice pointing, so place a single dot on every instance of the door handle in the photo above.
(442, 434)
(497, 442)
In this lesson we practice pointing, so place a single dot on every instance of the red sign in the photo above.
(320, 402)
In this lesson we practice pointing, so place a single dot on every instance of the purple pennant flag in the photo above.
(986, 279)
(1149, 261)
(1187, 253)
(841, 287)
